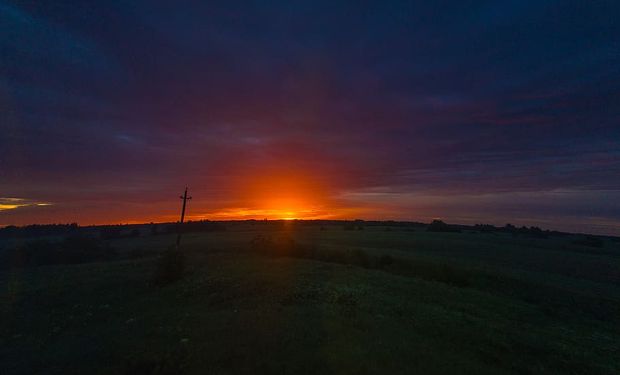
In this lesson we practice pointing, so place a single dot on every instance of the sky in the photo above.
(468, 111)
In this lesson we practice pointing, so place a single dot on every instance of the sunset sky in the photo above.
(470, 111)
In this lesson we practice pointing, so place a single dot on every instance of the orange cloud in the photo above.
(14, 203)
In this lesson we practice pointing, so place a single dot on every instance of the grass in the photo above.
(321, 302)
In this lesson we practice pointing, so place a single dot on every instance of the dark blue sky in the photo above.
(471, 111)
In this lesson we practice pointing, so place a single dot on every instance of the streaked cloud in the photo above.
(8, 203)
(409, 111)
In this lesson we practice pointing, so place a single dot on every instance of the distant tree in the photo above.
(485, 228)
(37, 230)
(510, 228)
(440, 226)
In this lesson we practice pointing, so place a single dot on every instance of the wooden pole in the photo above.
(180, 226)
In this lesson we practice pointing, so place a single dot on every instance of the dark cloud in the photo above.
(114, 104)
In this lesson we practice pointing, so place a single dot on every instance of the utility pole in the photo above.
(180, 226)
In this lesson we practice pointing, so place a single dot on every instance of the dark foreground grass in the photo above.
(322, 306)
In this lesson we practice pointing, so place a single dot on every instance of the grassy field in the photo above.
(311, 300)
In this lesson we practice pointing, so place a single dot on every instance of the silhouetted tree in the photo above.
(37, 230)
(440, 226)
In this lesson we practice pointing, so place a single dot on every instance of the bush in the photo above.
(170, 267)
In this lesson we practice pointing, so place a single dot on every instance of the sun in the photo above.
(278, 194)
(289, 216)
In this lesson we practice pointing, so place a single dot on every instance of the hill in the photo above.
(284, 297)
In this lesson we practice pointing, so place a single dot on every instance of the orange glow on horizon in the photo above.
(260, 214)
(278, 194)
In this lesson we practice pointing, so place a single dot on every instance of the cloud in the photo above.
(25, 37)
(16, 203)
(410, 100)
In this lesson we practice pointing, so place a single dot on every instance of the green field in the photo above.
(311, 300)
